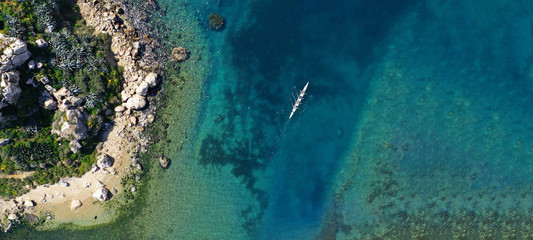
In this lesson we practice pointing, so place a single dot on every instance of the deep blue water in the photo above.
(417, 115)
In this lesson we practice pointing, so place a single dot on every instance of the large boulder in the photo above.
(142, 89)
(41, 43)
(73, 126)
(15, 53)
(102, 194)
(75, 204)
(164, 161)
(50, 104)
(61, 94)
(136, 102)
(29, 203)
(75, 146)
(105, 161)
(151, 79)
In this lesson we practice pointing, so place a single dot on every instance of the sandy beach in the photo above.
(60, 202)
(57, 198)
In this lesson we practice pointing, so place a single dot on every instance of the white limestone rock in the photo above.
(136, 102)
(50, 104)
(102, 194)
(119, 109)
(105, 161)
(29, 203)
(142, 89)
(45, 80)
(15, 53)
(75, 204)
(100, 184)
(61, 94)
(75, 146)
(151, 79)
(4, 141)
(32, 65)
(41, 43)
(10, 86)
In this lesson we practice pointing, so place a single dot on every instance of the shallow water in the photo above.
(417, 123)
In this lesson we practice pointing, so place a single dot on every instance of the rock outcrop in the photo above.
(180, 54)
(15, 53)
(9, 83)
(73, 126)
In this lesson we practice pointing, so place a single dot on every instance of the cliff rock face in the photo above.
(15, 53)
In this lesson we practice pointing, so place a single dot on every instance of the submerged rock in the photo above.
(12, 216)
(180, 54)
(164, 161)
(216, 22)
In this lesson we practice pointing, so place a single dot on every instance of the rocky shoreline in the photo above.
(75, 199)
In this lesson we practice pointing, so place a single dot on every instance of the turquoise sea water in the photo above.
(417, 124)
